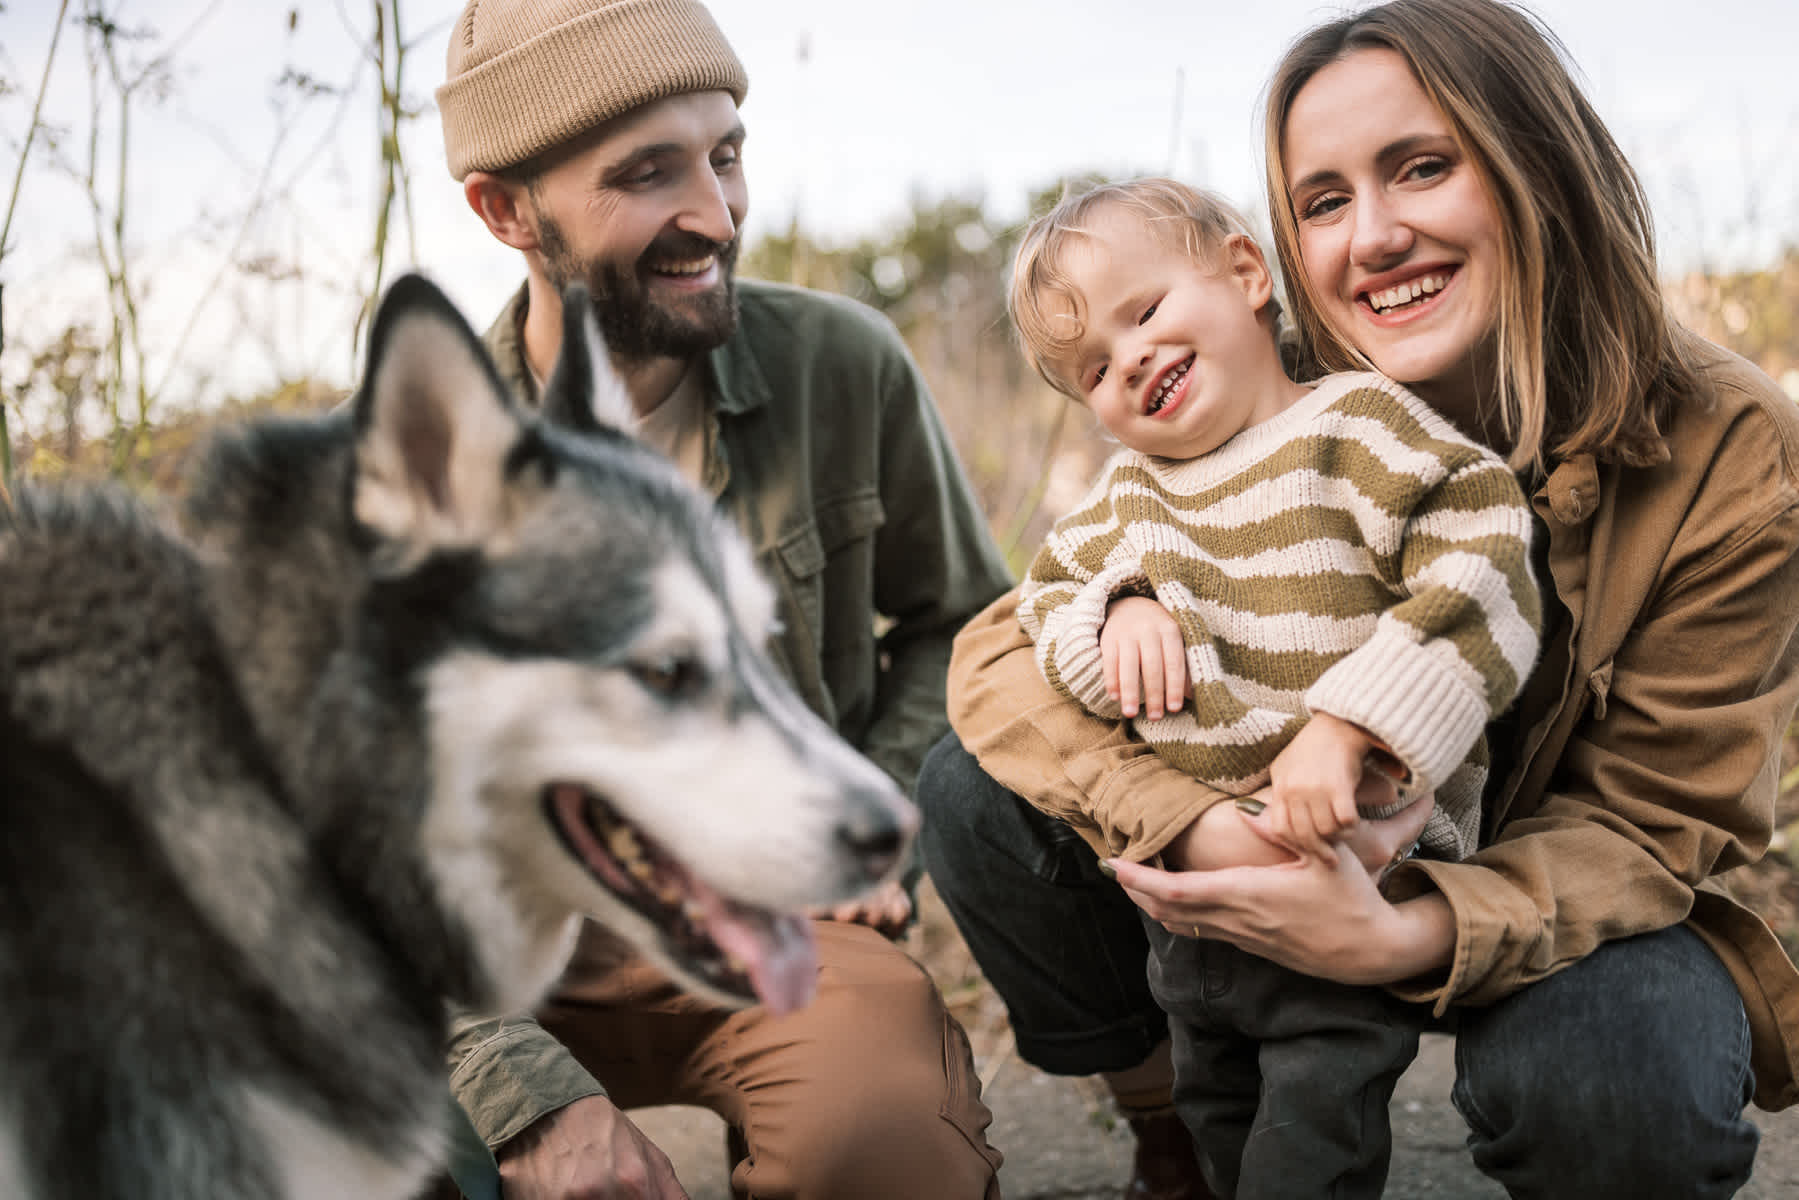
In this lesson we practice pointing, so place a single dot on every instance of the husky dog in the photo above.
(420, 681)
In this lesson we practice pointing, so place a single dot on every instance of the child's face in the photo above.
(1174, 359)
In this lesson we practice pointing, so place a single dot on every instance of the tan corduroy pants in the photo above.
(868, 1093)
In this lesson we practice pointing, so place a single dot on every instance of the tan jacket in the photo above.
(1650, 732)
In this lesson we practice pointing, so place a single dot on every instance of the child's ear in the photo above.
(1244, 261)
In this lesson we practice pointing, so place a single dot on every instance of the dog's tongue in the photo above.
(776, 950)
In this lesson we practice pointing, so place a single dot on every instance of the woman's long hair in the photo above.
(1589, 358)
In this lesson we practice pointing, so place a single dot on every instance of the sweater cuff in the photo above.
(1079, 664)
(1421, 707)
(514, 1075)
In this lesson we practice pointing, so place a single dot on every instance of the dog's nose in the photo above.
(878, 835)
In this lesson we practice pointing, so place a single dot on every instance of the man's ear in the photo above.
(1244, 261)
(504, 206)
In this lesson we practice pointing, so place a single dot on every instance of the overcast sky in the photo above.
(853, 107)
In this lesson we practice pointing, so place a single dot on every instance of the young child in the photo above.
(1331, 570)
(1334, 574)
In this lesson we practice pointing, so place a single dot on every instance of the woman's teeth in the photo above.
(1159, 397)
(1405, 293)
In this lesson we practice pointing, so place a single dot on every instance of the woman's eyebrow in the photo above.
(1394, 150)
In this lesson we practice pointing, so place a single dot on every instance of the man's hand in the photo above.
(588, 1150)
(1143, 658)
(885, 909)
(1312, 802)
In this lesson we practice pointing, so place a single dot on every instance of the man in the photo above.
(601, 139)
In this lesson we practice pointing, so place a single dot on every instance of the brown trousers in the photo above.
(868, 1093)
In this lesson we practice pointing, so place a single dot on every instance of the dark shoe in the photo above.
(1165, 1166)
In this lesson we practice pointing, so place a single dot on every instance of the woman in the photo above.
(1449, 209)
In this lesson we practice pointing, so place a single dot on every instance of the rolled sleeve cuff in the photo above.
(1146, 804)
(1476, 895)
(515, 1075)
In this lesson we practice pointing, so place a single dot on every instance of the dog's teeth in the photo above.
(624, 845)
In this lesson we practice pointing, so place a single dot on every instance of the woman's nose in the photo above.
(1380, 235)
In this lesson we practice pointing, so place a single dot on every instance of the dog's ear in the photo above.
(585, 393)
(434, 428)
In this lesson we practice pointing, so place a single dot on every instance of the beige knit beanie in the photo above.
(525, 76)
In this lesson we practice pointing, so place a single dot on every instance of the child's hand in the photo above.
(1144, 660)
(1314, 785)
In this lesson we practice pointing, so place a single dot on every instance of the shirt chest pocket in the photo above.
(825, 569)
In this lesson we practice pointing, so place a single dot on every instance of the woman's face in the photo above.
(1398, 236)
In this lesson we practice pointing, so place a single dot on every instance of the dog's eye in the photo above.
(671, 676)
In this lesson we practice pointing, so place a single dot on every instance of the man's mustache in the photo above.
(686, 247)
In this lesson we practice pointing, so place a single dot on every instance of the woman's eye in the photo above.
(1323, 206)
(1426, 168)
(1147, 314)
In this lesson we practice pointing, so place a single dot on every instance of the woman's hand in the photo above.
(1320, 919)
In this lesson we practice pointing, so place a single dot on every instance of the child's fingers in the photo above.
(1130, 679)
(1108, 665)
(1311, 820)
(1149, 655)
(1174, 661)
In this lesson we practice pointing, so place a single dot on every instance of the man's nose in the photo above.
(707, 209)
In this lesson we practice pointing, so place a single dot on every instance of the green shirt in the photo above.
(824, 446)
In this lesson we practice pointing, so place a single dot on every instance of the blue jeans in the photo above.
(1624, 1075)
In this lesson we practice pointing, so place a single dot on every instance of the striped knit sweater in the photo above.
(1354, 555)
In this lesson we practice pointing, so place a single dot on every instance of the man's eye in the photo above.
(1148, 313)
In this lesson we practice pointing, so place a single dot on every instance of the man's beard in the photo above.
(634, 324)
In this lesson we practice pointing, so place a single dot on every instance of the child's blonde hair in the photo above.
(1193, 221)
